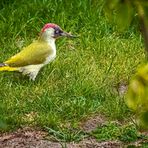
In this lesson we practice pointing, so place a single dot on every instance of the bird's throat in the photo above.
(48, 39)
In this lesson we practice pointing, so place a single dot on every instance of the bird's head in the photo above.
(53, 31)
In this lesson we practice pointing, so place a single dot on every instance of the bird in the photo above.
(32, 58)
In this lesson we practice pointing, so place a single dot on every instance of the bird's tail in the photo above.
(5, 67)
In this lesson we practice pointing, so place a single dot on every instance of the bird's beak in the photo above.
(67, 35)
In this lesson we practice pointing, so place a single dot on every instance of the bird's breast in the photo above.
(50, 57)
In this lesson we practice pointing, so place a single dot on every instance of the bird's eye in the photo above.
(57, 31)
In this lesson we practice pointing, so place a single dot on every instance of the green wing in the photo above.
(35, 53)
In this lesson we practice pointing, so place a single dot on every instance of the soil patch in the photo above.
(30, 138)
(92, 123)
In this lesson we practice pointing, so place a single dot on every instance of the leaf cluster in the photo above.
(123, 11)
(137, 97)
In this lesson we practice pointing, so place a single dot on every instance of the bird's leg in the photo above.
(31, 70)
(33, 75)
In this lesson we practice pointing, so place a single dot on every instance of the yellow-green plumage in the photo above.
(35, 53)
(8, 68)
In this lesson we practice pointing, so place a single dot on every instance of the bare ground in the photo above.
(92, 123)
(29, 138)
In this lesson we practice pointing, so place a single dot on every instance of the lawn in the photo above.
(85, 78)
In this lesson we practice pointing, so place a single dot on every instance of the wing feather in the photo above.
(35, 53)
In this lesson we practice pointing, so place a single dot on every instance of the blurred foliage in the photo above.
(122, 12)
(138, 89)
(137, 98)
(119, 12)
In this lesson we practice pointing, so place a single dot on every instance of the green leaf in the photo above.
(119, 12)
(138, 89)
(124, 14)
(135, 93)
(143, 120)
(111, 4)
(137, 97)
(145, 7)
(109, 7)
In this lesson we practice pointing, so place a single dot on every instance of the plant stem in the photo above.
(144, 27)
(144, 30)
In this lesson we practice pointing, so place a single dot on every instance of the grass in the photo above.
(66, 135)
(113, 131)
(84, 78)
(128, 134)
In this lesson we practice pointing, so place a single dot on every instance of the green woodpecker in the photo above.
(32, 58)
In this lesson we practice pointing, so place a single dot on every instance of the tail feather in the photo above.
(5, 67)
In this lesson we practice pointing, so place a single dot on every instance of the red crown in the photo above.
(49, 25)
